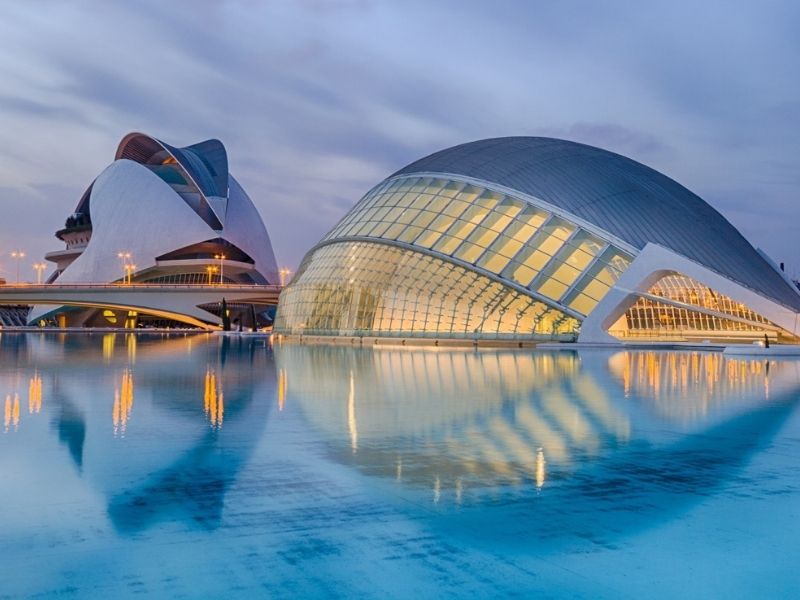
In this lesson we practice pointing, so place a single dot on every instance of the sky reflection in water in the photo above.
(430, 461)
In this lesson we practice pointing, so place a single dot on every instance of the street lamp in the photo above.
(18, 255)
(284, 273)
(221, 258)
(211, 269)
(125, 258)
(129, 269)
(39, 267)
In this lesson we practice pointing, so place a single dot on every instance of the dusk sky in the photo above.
(316, 101)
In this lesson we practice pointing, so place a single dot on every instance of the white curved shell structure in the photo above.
(162, 214)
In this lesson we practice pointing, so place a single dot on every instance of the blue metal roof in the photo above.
(628, 199)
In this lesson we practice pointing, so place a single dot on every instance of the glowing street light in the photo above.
(129, 269)
(221, 258)
(18, 255)
(125, 257)
(39, 267)
(284, 273)
(211, 269)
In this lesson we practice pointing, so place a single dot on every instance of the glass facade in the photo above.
(506, 236)
(439, 256)
(363, 288)
(717, 316)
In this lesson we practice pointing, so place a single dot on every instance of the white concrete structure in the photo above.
(182, 303)
(161, 214)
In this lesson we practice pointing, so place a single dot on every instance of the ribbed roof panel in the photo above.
(628, 199)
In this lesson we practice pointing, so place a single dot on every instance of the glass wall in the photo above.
(363, 288)
(504, 235)
(717, 317)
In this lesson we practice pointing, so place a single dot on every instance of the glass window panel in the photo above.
(506, 246)
(469, 252)
(454, 208)
(548, 244)
(534, 217)
(409, 234)
(491, 261)
(552, 289)
(424, 218)
(438, 203)
(586, 242)
(422, 201)
(475, 214)
(482, 236)
(407, 216)
(522, 274)
(510, 206)
(558, 228)
(450, 189)
(404, 184)
(488, 199)
(496, 221)
(380, 229)
(563, 273)
(447, 244)
(469, 193)
(393, 214)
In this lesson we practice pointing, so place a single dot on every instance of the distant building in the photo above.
(536, 239)
(160, 214)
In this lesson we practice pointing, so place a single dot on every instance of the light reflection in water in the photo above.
(687, 385)
(109, 340)
(352, 424)
(283, 385)
(123, 403)
(454, 420)
(213, 399)
(11, 413)
(451, 419)
(35, 394)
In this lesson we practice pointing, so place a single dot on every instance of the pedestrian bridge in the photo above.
(171, 301)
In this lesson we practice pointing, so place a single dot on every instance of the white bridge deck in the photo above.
(173, 301)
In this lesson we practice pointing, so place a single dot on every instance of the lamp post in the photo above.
(125, 258)
(284, 273)
(211, 269)
(18, 255)
(221, 258)
(129, 269)
(39, 267)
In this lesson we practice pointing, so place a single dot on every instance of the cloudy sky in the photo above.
(318, 100)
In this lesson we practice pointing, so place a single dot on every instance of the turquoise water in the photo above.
(194, 466)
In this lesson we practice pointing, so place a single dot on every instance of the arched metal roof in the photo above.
(628, 199)
(206, 162)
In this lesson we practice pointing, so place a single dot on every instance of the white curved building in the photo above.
(162, 214)
(527, 238)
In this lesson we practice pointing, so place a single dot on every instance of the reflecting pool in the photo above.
(200, 466)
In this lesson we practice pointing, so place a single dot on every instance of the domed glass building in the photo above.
(528, 238)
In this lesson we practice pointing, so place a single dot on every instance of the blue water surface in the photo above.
(199, 466)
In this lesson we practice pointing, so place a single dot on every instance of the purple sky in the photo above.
(318, 100)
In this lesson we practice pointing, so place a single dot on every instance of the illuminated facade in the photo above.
(162, 214)
(525, 239)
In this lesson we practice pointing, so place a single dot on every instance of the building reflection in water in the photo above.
(452, 419)
(687, 386)
(456, 420)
